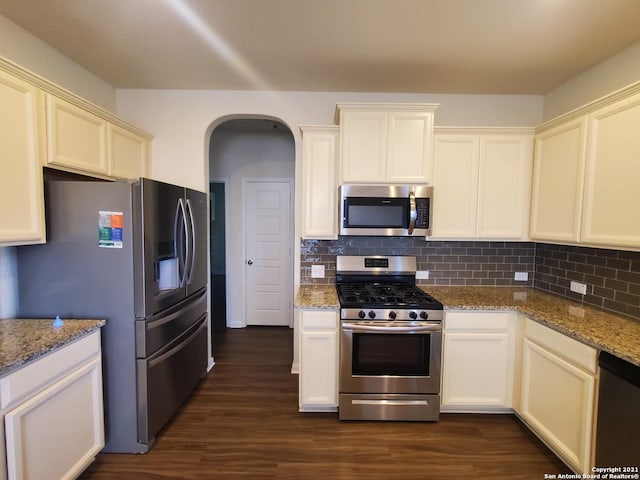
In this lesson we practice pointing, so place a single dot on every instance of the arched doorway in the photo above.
(249, 157)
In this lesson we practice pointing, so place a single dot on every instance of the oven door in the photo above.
(390, 357)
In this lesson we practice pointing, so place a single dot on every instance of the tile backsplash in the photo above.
(448, 262)
(612, 276)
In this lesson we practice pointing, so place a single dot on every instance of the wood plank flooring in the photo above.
(243, 423)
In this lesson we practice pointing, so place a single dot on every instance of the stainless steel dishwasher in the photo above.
(618, 427)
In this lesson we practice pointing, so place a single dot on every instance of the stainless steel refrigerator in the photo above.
(133, 253)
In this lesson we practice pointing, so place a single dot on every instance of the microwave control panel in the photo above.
(422, 208)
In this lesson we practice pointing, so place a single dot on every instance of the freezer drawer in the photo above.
(166, 379)
(160, 330)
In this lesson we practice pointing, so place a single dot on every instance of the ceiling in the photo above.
(419, 46)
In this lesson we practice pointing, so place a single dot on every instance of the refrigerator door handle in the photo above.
(192, 234)
(178, 243)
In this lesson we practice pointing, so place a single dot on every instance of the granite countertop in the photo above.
(24, 340)
(317, 296)
(606, 331)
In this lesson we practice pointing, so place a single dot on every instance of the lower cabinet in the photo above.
(53, 413)
(558, 393)
(478, 364)
(318, 378)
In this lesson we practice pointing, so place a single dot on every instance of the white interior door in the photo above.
(268, 252)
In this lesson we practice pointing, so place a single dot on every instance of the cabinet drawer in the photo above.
(319, 319)
(565, 347)
(39, 374)
(477, 321)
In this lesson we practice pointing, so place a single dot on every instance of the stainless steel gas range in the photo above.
(390, 341)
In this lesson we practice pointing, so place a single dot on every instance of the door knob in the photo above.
(250, 262)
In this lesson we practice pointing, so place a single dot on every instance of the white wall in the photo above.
(181, 120)
(238, 155)
(22, 48)
(612, 74)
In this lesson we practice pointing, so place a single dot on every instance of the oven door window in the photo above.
(390, 354)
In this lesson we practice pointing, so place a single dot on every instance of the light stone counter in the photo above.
(23, 340)
(606, 331)
(317, 296)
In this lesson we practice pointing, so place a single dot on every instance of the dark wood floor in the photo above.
(242, 423)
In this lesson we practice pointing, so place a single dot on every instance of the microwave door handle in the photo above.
(413, 212)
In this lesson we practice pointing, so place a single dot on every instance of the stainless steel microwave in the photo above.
(386, 210)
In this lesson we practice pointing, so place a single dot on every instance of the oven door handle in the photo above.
(390, 328)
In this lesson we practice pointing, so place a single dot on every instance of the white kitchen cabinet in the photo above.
(53, 413)
(558, 392)
(612, 192)
(318, 378)
(386, 143)
(320, 182)
(128, 153)
(76, 138)
(478, 361)
(481, 184)
(558, 178)
(21, 152)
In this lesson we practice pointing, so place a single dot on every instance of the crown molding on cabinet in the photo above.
(590, 107)
(484, 130)
(384, 107)
(50, 87)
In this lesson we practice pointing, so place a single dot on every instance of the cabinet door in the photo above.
(478, 360)
(318, 360)
(558, 177)
(475, 371)
(76, 139)
(363, 147)
(21, 143)
(58, 432)
(128, 153)
(410, 137)
(455, 186)
(558, 403)
(319, 182)
(504, 185)
(611, 194)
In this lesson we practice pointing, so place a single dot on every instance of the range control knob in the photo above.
(372, 314)
(392, 315)
(424, 315)
(361, 314)
(413, 315)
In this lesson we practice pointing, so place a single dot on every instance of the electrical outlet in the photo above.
(422, 275)
(521, 276)
(578, 287)
(317, 271)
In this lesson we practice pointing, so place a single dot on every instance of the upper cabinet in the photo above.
(320, 182)
(385, 143)
(586, 171)
(558, 174)
(76, 138)
(21, 155)
(128, 153)
(612, 191)
(482, 183)
(44, 125)
(81, 141)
